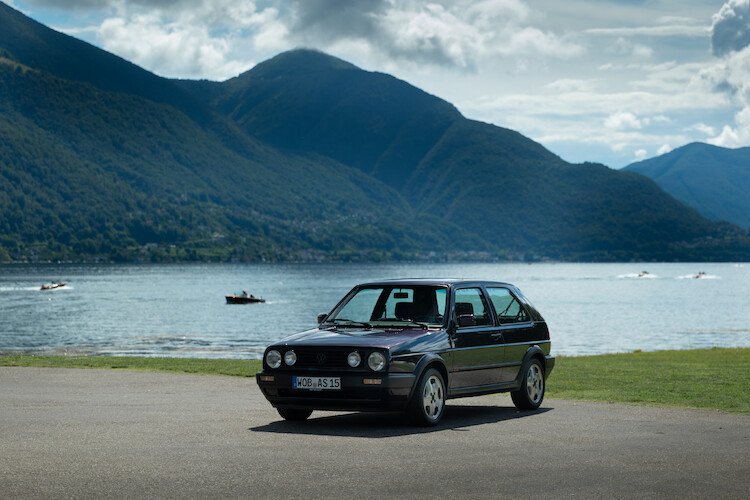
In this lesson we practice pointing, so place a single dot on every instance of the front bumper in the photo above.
(392, 394)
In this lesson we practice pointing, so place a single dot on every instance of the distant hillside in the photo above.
(303, 157)
(498, 184)
(305, 101)
(713, 180)
(41, 48)
(89, 173)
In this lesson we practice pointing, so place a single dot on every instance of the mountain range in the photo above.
(303, 157)
(713, 180)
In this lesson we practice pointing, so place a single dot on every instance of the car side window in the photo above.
(507, 307)
(469, 301)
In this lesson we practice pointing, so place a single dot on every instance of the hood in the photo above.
(355, 337)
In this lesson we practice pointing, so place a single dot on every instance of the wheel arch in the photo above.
(429, 361)
(534, 352)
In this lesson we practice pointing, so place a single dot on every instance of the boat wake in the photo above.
(643, 275)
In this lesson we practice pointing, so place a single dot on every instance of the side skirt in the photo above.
(480, 390)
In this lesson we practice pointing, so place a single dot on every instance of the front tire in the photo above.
(293, 414)
(531, 393)
(428, 402)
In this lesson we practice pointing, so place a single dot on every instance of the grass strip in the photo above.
(717, 378)
(229, 367)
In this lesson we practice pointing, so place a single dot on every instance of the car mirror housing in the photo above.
(322, 318)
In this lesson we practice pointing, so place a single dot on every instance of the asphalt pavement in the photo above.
(67, 433)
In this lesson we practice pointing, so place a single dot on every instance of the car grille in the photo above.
(321, 358)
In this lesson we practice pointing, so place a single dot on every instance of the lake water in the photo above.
(180, 310)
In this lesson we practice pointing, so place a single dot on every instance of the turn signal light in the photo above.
(266, 378)
(372, 381)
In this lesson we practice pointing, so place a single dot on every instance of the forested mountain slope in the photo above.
(90, 173)
(498, 184)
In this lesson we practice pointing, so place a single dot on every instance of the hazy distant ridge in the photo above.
(713, 180)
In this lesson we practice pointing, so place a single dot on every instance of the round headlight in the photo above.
(354, 359)
(273, 359)
(290, 358)
(376, 361)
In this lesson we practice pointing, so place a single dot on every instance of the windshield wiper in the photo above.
(400, 323)
(349, 322)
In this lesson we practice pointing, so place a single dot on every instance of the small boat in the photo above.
(243, 298)
(53, 285)
(699, 275)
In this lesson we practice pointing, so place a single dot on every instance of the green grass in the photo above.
(706, 378)
(230, 367)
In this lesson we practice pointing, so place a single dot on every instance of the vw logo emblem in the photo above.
(320, 358)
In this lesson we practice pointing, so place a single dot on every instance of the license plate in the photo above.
(317, 383)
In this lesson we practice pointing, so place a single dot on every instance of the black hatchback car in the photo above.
(409, 345)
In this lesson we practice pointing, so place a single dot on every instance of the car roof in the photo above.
(434, 281)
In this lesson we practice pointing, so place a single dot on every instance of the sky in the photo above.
(607, 81)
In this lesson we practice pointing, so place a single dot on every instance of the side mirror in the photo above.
(467, 320)
(322, 318)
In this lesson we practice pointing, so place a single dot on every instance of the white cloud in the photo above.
(192, 38)
(664, 149)
(658, 31)
(642, 52)
(171, 49)
(730, 30)
(459, 34)
(735, 137)
(622, 121)
(629, 48)
(702, 128)
(221, 36)
(730, 40)
(566, 85)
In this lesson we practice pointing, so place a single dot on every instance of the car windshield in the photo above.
(401, 306)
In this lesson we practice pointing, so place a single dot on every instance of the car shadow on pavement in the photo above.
(381, 425)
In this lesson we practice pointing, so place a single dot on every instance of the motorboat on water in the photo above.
(243, 298)
(53, 285)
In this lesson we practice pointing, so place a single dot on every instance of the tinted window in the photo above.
(469, 301)
(507, 307)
